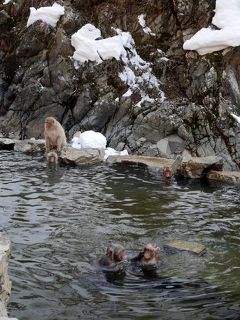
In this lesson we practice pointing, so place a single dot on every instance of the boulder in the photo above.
(28, 146)
(7, 144)
(198, 167)
(181, 245)
(70, 155)
(224, 176)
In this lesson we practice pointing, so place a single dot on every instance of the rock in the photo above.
(170, 146)
(38, 79)
(198, 167)
(181, 245)
(224, 176)
(153, 162)
(30, 146)
(7, 144)
(4, 278)
(78, 157)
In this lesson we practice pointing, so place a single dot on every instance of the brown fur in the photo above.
(52, 157)
(54, 135)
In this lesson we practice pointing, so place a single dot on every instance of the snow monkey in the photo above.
(114, 257)
(167, 172)
(148, 257)
(54, 135)
(52, 157)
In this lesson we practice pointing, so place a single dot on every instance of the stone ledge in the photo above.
(4, 278)
(70, 155)
(224, 176)
(28, 146)
(181, 245)
(142, 160)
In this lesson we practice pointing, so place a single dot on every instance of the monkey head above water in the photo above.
(55, 138)
(148, 257)
(114, 258)
(167, 172)
(52, 158)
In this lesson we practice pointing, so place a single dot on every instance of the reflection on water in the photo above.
(61, 220)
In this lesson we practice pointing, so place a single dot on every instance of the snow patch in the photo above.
(136, 74)
(208, 40)
(94, 140)
(50, 15)
(142, 22)
(237, 118)
(6, 1)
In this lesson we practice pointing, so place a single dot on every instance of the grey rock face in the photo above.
(38, 79)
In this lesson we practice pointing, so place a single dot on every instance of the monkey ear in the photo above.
(156, 249)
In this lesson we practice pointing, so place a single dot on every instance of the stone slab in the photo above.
(181, 245)
(224, 176)
(154, 162)
(70, 155)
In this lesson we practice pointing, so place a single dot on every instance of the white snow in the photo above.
(227, 19)
(142, 22)
(237, 118)
(128, 93)
(112, 152)
(136, 74)
(50, 15)
(6, 1)
(89, 139)
(89, 47)
(94, 140)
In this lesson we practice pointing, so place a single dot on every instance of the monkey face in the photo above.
(49, 122)
(148, 254)
(167, 172)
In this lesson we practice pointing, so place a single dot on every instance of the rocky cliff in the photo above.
(179, 100)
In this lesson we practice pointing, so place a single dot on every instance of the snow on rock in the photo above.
(112, 152)
(6, 1)
(136, 74)
(88, 46)
(142, 22)
(94, 140)
(237, 118)
(89, 139)
(227, 18)
(50, 15)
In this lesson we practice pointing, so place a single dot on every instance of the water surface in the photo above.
(60, 222)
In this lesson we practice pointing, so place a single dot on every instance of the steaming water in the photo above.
(60, 222)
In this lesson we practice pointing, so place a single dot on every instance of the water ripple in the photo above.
(60, 222)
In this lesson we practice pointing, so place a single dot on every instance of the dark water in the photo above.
(60, 222)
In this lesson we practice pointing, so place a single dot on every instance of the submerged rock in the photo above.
(181, 245)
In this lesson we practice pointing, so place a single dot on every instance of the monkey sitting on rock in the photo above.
(54, 133)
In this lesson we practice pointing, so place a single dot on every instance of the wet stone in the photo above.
(181, 245)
